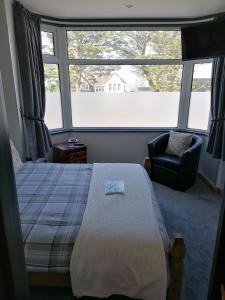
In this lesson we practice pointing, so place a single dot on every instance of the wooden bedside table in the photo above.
(64, 153)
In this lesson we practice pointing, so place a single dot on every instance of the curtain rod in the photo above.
(123, 22)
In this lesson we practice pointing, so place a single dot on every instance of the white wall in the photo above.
(220, 181)
(8, 67)
(213, 168)
(208, 165)
(113, 147)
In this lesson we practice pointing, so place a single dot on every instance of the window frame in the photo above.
(62, 59)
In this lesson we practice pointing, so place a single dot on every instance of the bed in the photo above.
(52, 202)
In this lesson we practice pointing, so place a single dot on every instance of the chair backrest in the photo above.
(159, 144)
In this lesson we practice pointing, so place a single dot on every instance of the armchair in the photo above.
(176, 172)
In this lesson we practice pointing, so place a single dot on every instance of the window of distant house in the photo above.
(200, 96)
(140, 78)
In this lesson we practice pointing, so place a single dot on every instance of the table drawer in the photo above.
(76, 155)
(81, 160)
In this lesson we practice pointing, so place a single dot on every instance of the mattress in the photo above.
(52, 200)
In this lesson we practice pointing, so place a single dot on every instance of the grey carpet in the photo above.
(195, 215)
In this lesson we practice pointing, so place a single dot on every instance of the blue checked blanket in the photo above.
(52, 200)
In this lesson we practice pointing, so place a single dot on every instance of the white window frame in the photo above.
(61, 58)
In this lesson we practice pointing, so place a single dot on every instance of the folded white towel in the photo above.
(114, 187)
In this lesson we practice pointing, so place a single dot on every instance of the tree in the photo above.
(88, 45)
(120, 45)
(47, 43)
(201, 85)
(152, 45)
(51, 78)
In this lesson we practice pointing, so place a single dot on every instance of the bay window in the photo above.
(99, 79)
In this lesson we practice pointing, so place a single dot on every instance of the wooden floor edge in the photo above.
(210, 183)
(49, 279)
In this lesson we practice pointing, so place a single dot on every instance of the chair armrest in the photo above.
(196, 147)
(192, 155)
(158, 145)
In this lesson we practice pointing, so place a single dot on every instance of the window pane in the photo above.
(200, 97)
(125, 96)
(124, 44)
(53, 110)
(47, 43)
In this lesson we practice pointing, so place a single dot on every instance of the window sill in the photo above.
(124, 130)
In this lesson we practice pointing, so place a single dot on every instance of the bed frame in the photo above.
(177, 253)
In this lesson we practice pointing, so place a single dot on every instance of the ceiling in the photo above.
(125, 8)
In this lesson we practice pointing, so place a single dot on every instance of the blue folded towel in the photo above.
(114, 187)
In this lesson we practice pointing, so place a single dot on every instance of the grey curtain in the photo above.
(216, 142)
(37, 140)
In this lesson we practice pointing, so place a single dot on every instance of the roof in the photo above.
(102, 80)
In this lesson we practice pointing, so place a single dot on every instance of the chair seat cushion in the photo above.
(167, 161)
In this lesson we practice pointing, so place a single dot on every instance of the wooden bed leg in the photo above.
(147, 165)
(177, 253)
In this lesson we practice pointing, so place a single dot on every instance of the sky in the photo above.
(203, 70)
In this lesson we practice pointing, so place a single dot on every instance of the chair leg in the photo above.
(147, 165)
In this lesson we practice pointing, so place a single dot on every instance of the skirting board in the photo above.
(210, 183)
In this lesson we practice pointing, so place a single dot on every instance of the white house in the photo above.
(112, 83)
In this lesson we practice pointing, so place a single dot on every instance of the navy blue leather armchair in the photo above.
(176, 172)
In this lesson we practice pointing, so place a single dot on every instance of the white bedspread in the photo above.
(119, 249)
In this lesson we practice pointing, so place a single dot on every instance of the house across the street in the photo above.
(113, 83)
